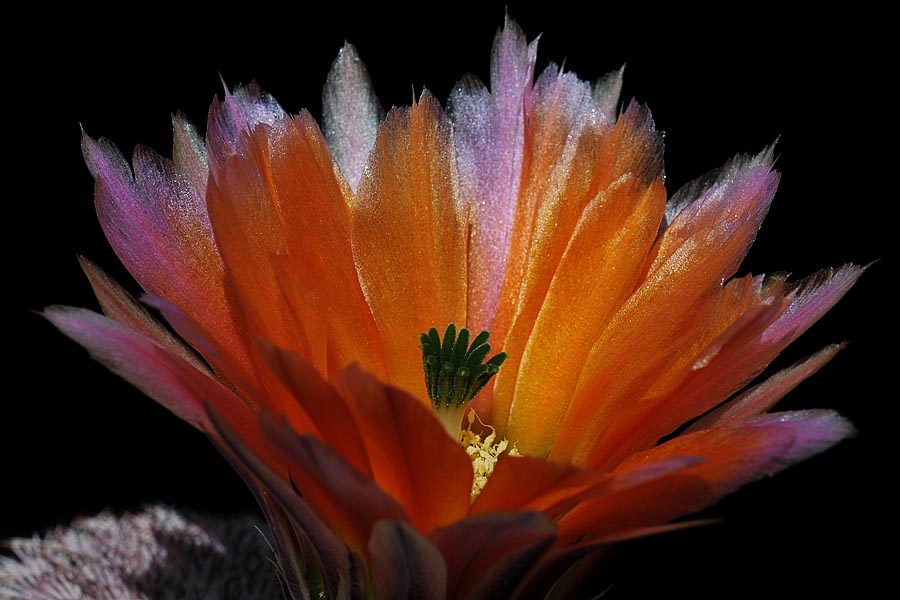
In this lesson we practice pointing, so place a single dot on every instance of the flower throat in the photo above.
(455, 372)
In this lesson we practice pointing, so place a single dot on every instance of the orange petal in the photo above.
(248, 232)
(562, 186)
(317, 273)
(683, 389)
(732, 457)
(556, 114)
(598, 271)
(698, 250)
(409, 237)
(725, 365)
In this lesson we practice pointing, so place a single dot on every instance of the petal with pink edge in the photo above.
(232, 119)
(733, 456)
(764, 396)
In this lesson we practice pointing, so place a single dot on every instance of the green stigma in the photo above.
(455, 371)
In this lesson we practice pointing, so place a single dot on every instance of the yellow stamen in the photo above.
(484, 453)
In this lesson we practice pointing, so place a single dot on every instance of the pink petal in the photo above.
(814, 431)
(231, 362)
(815, 296)
(490, 133)
(118, 305)
(158, 225)
(350, 114)
(189, 152)
(404, 564)
(232, 119)
(155, 370)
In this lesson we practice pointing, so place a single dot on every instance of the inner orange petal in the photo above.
(598, 271)
(317, 273)
(562, 189)
(409, 237)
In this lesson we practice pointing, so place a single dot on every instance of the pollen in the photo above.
(485, 453)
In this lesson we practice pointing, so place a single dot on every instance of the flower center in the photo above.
(455, 371)
(454, 374)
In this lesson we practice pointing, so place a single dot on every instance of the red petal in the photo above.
(348, 501)
(489, 554)
(412, 457)
(404, 564)
(305, 543)
(326, 410)
(526, 483)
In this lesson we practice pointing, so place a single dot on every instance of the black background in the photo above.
(76, 440)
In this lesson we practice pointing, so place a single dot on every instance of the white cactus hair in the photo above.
(156, 554)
